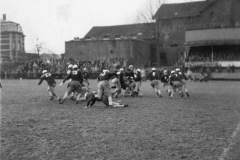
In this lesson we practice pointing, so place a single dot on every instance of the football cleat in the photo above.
(125, 105)
(61, 102)
(72, 98)
(51, 98)
(187, 94)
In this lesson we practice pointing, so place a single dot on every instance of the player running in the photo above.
(138, 81)
(183, 79)
(164, 79)
(154, 82)
(74, 85)
(51, 84)
(174, 83)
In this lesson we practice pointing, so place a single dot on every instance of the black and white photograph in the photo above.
(120, 80)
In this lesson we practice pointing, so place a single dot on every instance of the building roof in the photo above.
(178, 10)
(147, 30)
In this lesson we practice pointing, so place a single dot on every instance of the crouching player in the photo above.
(174, 83)
(91, 99)
(103, 85)
(117, 85)
(51, 84)
(74, 85)
(154, 82)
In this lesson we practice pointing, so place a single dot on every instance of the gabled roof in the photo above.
(177, 10)
(123, 30)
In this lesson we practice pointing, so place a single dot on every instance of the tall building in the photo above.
(12, 41)
(181, 27)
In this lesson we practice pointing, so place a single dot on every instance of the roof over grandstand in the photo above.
(146, 29)
(179, 10)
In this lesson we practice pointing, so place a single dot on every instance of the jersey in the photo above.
(164, 78)
(153, 76)
(85, 75)
(75, 75)
(174, 77)
(138, 77)
(106, 76)
(48, 77)
(129, 74)
(182, 75)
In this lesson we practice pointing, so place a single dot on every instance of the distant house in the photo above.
(132, 43)
(178, 25)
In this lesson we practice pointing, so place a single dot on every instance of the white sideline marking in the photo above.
(231, 143)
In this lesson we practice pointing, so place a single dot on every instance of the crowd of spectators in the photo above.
(219, 54)
(33, 68)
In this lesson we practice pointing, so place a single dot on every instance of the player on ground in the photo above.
(154, 82)
(183, 79)
(164, 79)
(51, 84)
(91, 99)
(74, 85)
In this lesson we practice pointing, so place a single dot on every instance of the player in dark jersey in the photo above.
(103, 85)
(129, 75)
(85, 78)
(138, 81)
(175, 82)
(51, 84)
(183, 79)
(74, 85)
(164, 79)
(154, 82)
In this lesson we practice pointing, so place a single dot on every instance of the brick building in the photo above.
(183, 26)
(12, 41)
(131, 43)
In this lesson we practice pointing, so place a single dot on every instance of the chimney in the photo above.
(4, 17)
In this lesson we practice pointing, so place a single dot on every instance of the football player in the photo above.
(51, 84)
(117, 85)
(138, 81)
(183, 80)
(129, 75)
(74, 85)
(69, 70)
(164, 79)
(85, 78)
(154, 82)
(103, 85)
(174, 83)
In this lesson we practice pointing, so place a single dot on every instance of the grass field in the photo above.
(205, 126)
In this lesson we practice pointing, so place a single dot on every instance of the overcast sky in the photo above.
(55, 21)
